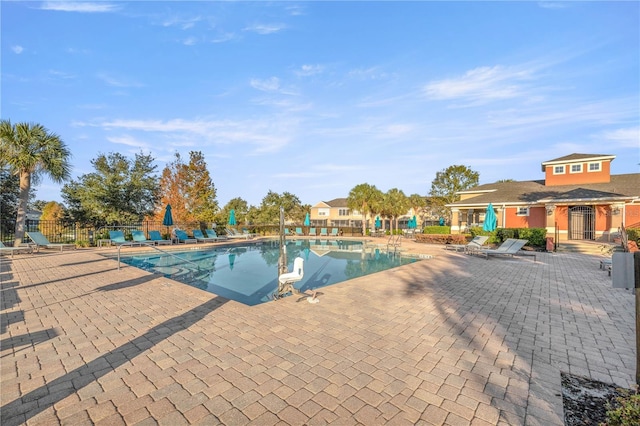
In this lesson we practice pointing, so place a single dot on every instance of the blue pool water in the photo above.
(248, 273)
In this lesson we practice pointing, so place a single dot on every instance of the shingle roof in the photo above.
(534, 191)
(337, 202)
(573, 158)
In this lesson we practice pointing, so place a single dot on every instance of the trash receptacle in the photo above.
(550, 246)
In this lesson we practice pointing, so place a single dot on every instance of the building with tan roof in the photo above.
(579, 199)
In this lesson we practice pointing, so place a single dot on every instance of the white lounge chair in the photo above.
(508, 248)
(41, 241)
(13, 250)
(474, 244)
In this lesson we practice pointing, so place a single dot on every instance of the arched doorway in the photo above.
(582, 223)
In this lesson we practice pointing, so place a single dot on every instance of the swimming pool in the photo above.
(248, 273)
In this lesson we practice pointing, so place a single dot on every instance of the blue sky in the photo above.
(314, 98)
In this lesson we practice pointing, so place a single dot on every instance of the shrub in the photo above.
(626, 412)
(82, 243)
(633, 234)
(440, 239)
(436, 230)
(535, 236)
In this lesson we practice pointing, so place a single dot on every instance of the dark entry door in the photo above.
(582, 223)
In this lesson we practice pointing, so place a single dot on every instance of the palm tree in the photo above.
(397, 203)
(361, 198)
(29, 151)
(418, 203)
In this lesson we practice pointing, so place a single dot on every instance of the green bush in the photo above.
(441, 239)
(477, 230)
(436, 230)
(626, 412)
(536, 236)
(633, 234)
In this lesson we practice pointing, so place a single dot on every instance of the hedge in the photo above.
(441, 238)
(436, 230)
(633, 234)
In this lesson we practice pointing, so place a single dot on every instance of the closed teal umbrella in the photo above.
(490, 219)
(168, 217)
(307, 220)
(378, 223)
(412, 223)
(232, 217)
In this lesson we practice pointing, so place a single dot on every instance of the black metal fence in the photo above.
(89, 234)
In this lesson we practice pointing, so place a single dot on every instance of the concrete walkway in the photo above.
(452, 340)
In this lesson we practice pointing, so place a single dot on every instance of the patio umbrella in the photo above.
(490, 220)
(168, 218)
(232, 259)
(413, 223)
(307, 220)
(232, 217)
(378, 223)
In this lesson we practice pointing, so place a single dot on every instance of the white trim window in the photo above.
(595, 166)
(559, 170)
(522, 211)
(323, 212)
(343, 212)
(576, 168)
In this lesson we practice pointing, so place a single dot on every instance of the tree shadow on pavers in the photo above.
(73, 381)
(483, 306)
(30, 339)
(129, 283)
(85, 262)
(526, 321)
(67, 278)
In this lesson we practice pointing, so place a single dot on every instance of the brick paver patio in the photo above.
(451, 340)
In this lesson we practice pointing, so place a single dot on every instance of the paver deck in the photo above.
(451, 340)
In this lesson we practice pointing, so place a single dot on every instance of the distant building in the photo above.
(336, 213)
(579, 199)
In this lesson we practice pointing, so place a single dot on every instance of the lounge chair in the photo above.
(117, 238)
(246, 232)
(157, 239)
(299, 232)
(323, 232)
(211, 233)
(41, 241)
(199, 236)
(334, 232)
(139, 237)
(13, 250)
(182, 237)
(232, 233)
(312, 232)
(508, 248)
(474, 244)
(286, 231)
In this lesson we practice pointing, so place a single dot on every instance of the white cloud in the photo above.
(269, 85)
(552, 5)
(481, 85)
(627, 138)
(83, 7)
(183, 23)
(265, 135)
(128, 141)
(265, 28)
(307, 70)
(17, 49)
(117, 82)
(190, 41)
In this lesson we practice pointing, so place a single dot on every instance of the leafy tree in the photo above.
(201, 193)
(30, 151)
(9, 198)
(119, 190)
(269, 210)
(240, 208)
(417, 202)
(448, 183)
(52, 211)
(39, 204)
(189, 189)
(396, 203)
(363, 198)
